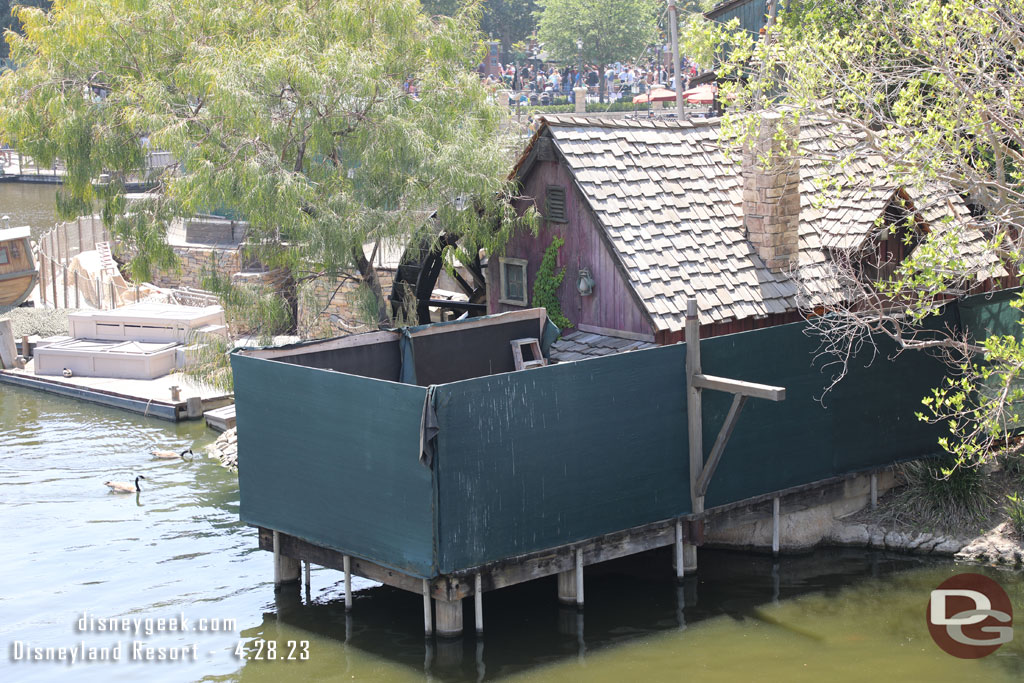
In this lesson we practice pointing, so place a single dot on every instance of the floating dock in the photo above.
(149, 397)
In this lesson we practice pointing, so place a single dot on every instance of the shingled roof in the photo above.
(671, 204)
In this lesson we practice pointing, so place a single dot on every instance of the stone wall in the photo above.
(193, 261)
(328, 307)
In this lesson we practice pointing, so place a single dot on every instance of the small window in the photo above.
(554, 204)
(513, 281)
(3, 256)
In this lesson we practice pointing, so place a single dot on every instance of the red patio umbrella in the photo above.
(702, 94)
(656, 95)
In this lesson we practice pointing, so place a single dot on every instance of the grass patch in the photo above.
(939, 496)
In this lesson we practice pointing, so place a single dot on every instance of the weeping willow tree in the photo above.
(328, 125)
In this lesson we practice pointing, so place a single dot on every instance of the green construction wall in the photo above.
(535, 459)
(987, 314)
(866, 421)
(333, 459)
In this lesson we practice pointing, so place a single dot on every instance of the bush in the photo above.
(940, 491)
(1015, 510)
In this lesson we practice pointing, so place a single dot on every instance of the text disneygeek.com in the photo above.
(138, 649)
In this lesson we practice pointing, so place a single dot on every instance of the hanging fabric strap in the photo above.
(428, 429)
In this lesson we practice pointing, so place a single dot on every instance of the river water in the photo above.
(72, 548)
(29, 204)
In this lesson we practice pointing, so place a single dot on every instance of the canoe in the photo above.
(18, 272)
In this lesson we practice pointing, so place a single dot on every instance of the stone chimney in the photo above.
(771, 193)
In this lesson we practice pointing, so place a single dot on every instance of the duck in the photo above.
(168, 455)
(124, 486)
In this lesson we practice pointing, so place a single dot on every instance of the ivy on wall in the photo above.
(546, 283)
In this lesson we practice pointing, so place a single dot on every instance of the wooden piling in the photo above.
(579, 578)
(64, 278)
(428, 622)
(286, 569)
(567, 587)
(775, 526)
(307, 576)
(448, 618)
(478, 603)
(26, 348)
(78, 292)
(694, 420)
(347, 564)
(680, 563)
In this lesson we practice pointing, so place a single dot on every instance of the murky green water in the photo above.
(29, 204)
(70, 547)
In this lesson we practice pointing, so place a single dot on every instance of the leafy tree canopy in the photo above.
(609, 30)
(934, 88)
(294, 114)
(8, 22)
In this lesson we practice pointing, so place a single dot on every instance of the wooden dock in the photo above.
(152, 398)
(221, 419)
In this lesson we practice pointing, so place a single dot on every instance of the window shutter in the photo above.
(555, 204)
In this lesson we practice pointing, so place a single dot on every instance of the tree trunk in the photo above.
(369, 275)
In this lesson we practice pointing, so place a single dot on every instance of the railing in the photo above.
(67, 283)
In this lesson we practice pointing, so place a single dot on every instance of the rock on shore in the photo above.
(998, 546)
(225, 449)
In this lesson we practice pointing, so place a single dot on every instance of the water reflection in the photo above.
(630, 602)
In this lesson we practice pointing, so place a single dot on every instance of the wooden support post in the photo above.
(478, 603)
(26, 348)
(113, 297)
(286, 569)
(78, 292)
(694, 421)
(64, 278)
(53, 281)
(448, 614)
(579, 578)
(307, 576)
(567, 587)
(680, 564)
(42, 273)
(428, 621)
(347, 564)
(874, 490)
(775, 526)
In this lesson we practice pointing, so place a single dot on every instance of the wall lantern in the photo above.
(585, 283)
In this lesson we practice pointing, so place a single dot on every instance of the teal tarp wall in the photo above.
(333, 458)
(866, 421)
(988, 314)
(535, 459)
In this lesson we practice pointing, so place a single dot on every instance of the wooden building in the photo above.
(654, 214)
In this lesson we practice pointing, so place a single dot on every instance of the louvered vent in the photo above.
(555, 204)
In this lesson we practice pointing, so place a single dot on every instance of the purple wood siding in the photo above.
(613, 304)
